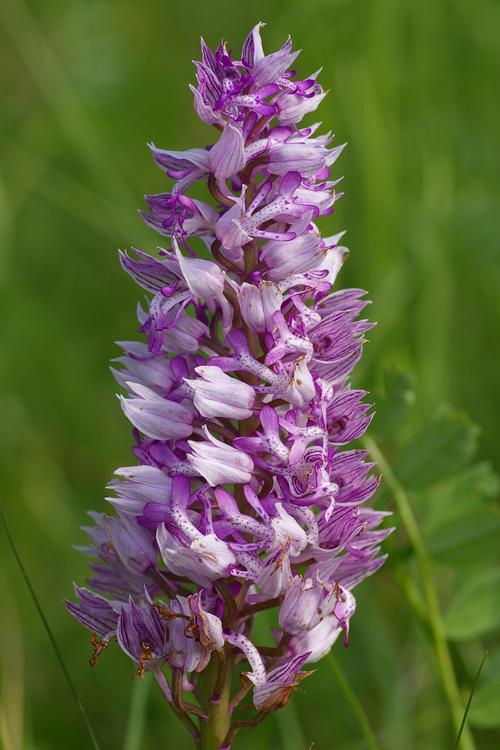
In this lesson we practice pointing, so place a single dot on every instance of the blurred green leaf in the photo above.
(467, 491)
(394, 406)
(440, 449)
(485, 708)
(475, 609)
(471, 537)
(459, 522)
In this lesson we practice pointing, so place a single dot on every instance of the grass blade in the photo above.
(47, 629)
(469, 701)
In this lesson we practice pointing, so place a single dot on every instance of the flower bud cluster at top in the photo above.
(245, 496)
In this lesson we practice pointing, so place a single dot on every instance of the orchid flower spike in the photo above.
(246, 494)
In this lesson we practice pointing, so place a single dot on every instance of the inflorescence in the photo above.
(245, 497)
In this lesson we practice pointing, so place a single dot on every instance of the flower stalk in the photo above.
(215, 688)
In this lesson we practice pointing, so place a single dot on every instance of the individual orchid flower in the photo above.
(207, 626)
(218, 462)
(240, 224)
(219, 395)
(157, 417)
(258, 303)
(97, 614)
(184, 166)
(142, 635)
(227, 156)
(206, 559)
(135, 486)
(174, 214)
(307, 602)
(280, 683)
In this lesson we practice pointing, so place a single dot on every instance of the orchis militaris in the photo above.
(244, 497)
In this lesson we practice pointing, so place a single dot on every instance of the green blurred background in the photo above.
(86, 84)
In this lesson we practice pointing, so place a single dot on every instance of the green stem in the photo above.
(443, 655)
(352, 699)
(137, 714)
(413, 595)
(216, 676)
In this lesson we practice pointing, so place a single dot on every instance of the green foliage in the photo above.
(450, 512)
(436, 452)
(475, 608)
(394, 406)
(462, 518)
(469, 538)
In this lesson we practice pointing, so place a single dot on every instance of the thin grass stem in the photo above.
(46, 625)
(469, 701)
